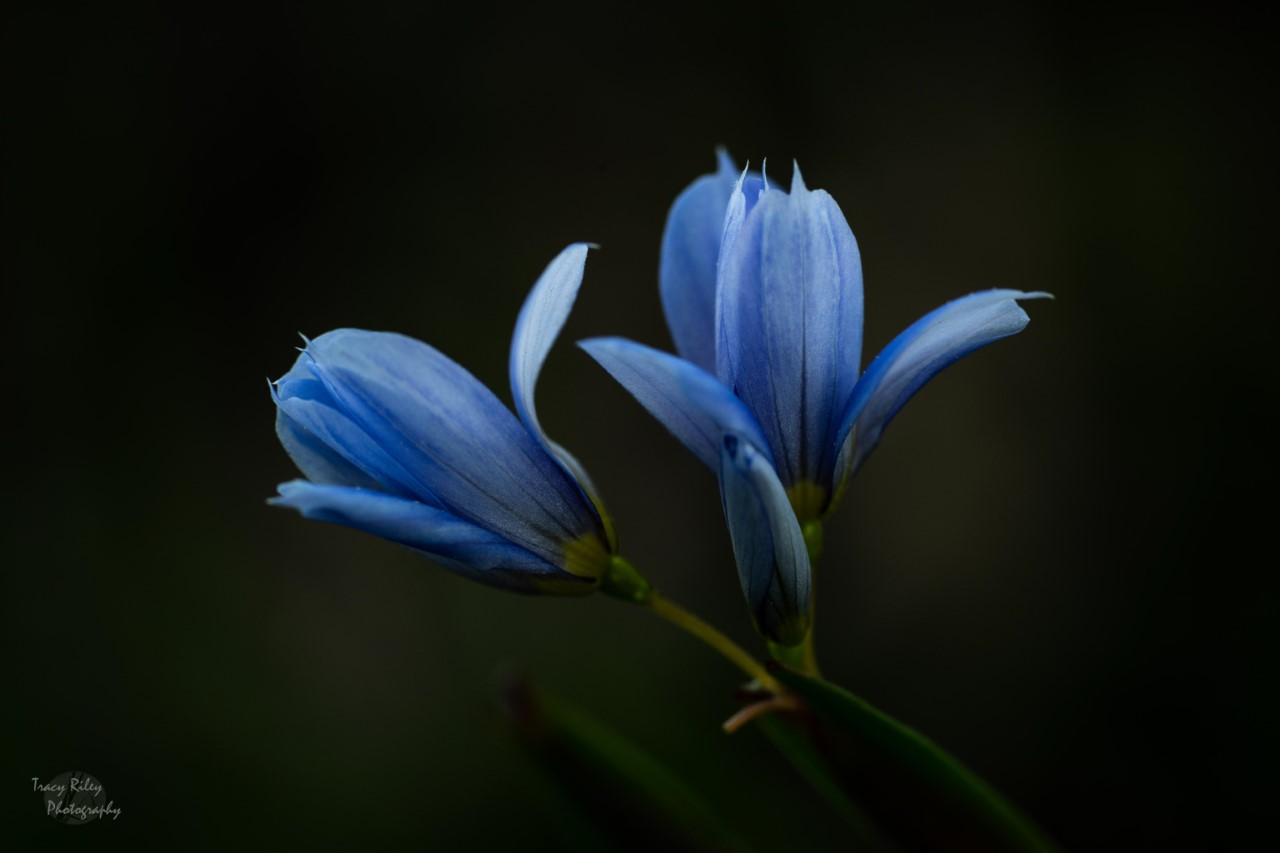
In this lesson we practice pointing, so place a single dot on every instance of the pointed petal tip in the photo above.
(589, 345)
(285, 491)
(1009, 293)
(797, 180)
(573, 251)
(927, 347)
(1002, 292)
(724, 162)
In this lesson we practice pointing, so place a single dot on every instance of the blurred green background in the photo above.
(1058, 564)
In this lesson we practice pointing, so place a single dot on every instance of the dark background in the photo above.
(1058, 564)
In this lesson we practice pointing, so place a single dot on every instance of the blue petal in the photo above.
(691, 244)
(314, 457)
(686, 399)
(464, 449)
(687, 263)
(933, 342)
(465, 548)
(543, 316)
(789, 324)
(773, 563)
(324, 443)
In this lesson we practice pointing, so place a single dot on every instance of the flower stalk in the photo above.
(623, 581)
(681, 618)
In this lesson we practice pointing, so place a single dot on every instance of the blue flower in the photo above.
(397, 440)
(762, 290)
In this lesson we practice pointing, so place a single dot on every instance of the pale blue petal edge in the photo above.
(463, 547)
(687, 262)
(768, 544)
(541, 319)
(935, 341)
(327, 446)
(748, 191)
(687, 400)
(316, 458)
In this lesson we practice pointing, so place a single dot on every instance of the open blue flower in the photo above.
(764, 300)
(397, 440)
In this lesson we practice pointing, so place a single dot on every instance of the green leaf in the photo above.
(797, 747)
(917, 794)
(631, 798)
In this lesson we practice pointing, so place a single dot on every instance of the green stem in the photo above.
(681, 618)
(800, 656)
(622, 580)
